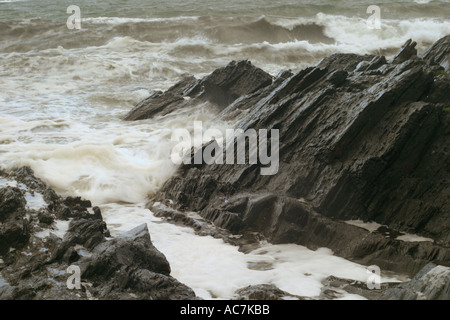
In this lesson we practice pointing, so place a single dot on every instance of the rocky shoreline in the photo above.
(35, 255)
(361, 138)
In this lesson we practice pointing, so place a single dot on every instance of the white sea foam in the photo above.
(7, 183)
(413, 238)
(215, 269)
(35, 201)
(59, 229)
(369, 226)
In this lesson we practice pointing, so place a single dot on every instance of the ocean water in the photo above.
(64, 92)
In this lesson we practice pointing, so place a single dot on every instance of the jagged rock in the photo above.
(32, 267)
(133, 249)
(26, 176)
(131, 262)
(367, 144)
(438, 93)
(46, 217)
(265, 292)
(220, 89)
(157, 286)
(87, 233)
(11, 200)
(345, 62)
(225, 85)
(439, 53)
(241, 106)
(97, 213)
(407, 52)
(431, 283)
(13, 225)
(77, 202)
(246, 242)
(162, 103)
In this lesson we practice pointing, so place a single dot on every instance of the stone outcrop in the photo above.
(360, 138)
(430, 283)
(219, 89)
(35, 261)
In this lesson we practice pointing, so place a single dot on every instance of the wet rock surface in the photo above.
(219, 89)
(13, 225)
(35, 256)
(265, 292)
(360, 138)
(439, 53)
(431, 283)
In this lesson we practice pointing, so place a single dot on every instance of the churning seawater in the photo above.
(64, 92)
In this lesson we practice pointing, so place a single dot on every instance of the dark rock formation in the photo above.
(431, 283)
(335, 288)
(84, 232)
(439, 53)
(407, 52)
(131, 263)
(34, 266)
(13, 225)
(220, 89)
(265, 292)
(360, 138)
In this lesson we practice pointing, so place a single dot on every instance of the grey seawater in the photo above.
(54, 10)
(281, 35)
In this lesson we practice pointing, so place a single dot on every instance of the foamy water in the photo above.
(64, 93)
(215, 269)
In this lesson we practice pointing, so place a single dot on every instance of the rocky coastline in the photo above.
(361, 139)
